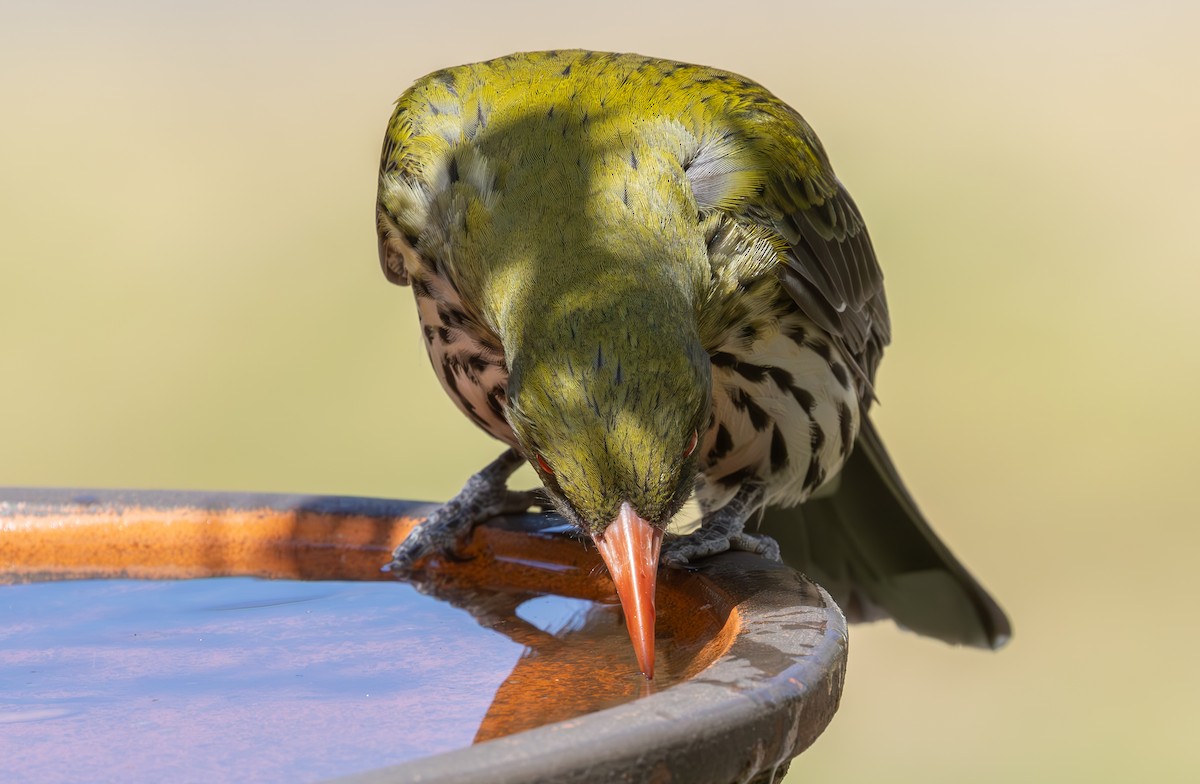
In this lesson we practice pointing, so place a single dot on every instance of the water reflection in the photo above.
(576, 655)
(202, 679)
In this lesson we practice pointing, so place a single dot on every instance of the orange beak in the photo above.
(630, 548)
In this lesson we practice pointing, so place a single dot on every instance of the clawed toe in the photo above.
(445, 533)
(760, 544)
(687, 549)
(432, 539)
(723, 530)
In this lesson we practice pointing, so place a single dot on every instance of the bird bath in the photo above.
(152, 636)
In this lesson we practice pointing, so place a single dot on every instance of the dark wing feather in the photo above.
(833, 276)
(830, 271)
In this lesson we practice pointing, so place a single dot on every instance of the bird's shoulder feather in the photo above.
(828, 264)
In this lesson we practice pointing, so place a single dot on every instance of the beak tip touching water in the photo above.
(630, 548)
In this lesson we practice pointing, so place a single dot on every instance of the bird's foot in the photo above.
(702, 543)
(721, 530)
(445, 532)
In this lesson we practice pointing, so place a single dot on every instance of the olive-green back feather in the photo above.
(742, 150)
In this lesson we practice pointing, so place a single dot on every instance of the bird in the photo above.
(644, 278)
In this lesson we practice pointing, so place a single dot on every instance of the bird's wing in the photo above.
(770, 168)
(831, 270)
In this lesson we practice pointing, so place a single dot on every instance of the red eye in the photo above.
(542, 464)
(691, 445)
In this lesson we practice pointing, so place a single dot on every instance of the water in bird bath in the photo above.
(328, 667)
(250, 679)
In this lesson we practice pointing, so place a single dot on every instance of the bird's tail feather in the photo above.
(868, 544)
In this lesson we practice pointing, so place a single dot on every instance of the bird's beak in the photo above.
(630, 548)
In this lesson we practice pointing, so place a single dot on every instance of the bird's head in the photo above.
(610, 412)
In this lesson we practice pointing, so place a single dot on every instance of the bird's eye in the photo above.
(542, 464)
(691, 444)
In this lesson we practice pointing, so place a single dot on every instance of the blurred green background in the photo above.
(190, 298)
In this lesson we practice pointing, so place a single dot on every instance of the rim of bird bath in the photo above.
(773, 684)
